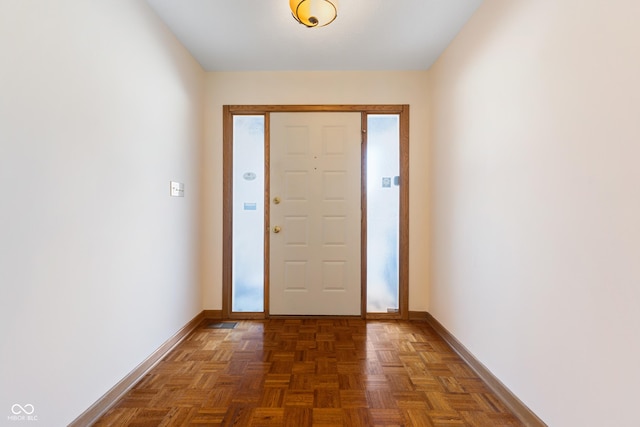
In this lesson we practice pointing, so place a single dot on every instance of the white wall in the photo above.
(536, 223)
(273, 88)
(100, 108)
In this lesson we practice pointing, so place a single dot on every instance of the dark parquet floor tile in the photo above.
(311, 372)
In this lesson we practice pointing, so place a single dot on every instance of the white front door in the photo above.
(315, 214)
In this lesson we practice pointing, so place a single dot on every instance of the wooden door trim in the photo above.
(262, 109)
(228, 112)
(267, 213)
(227, 209)
(363, 219)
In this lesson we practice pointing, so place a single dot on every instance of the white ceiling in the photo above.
(261, 35)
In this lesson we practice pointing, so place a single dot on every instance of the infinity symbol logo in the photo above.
(27, 409)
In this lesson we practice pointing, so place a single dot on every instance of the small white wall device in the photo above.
(177, 189)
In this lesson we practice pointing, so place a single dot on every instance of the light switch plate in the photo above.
(177, 189)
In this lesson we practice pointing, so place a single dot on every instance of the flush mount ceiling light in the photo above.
(314, 13)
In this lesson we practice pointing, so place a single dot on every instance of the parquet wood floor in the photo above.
(311, 372)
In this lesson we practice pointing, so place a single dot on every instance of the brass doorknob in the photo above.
(276, 229)
(276, 200)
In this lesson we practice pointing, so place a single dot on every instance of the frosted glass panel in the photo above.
(383, 212)
(248, 214)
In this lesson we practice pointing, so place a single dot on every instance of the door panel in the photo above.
(315, 172)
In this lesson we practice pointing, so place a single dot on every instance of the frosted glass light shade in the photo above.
(314, 13)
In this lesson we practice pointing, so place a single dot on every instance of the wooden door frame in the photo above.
(228, 111)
